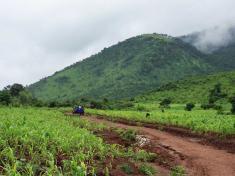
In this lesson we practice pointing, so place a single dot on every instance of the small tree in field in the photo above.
(232, 101)
(216, 94)
(165, 103)
(189, 106)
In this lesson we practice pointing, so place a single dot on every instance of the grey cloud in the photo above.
(212, 39)
(38, 38)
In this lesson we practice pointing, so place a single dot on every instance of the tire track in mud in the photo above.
(198, 159)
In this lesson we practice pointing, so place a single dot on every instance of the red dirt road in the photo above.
(200, 160)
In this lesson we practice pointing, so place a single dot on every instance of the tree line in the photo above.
(17, 95)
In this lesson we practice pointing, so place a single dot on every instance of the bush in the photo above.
(147, 170)
(129, 135)
(216, 94)
(189, 106)
(140, 108)
(165, 103)
(52, 104)
(232, 101)
(207, 106)
(217, 107)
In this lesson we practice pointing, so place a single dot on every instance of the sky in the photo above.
(40, 37)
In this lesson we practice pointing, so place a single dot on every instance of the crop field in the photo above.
(197, 120)
(46, 142)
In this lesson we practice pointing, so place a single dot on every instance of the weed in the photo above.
(127, 168)
(128, 135)
(144, 156)
(178, 171)
(147, 170)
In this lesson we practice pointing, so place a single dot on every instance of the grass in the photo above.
(197, 120)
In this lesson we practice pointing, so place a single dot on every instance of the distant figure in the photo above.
(147, 115)
(78, 110)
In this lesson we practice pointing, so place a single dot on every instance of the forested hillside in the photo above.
(126, 69)
(193, 89)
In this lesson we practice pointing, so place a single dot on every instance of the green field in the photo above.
(197, 120)
(45, 142)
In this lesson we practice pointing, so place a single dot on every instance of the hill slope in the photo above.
(127, 69)
(194, 89)
(217, 44)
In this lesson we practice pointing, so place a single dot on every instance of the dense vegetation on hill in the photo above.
(220, 52)
(224, 58)
(194, 89)
(127, 69)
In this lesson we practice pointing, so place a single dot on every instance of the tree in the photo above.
(165, 103)
(25, 98)
(52, 104)
(189, 106)
(216, 94)
(15, 89)
(232, 101)
(105, 100)
(5, 97)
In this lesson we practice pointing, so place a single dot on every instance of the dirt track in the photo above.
(200, 160)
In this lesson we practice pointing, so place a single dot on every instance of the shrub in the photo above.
(129, 135)
(140, 108)
(165, 103)
(52, 104)
(207, 106)
(147, 170)
(232, 101)
(216, 94)
(217, 107)
(189, 106)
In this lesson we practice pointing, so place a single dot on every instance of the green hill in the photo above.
(220, 54)
(193, 89)
(126, 69)
(224, 58)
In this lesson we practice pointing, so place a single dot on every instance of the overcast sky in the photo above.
(39, 37)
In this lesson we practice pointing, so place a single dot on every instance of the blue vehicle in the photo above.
(78, 110)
